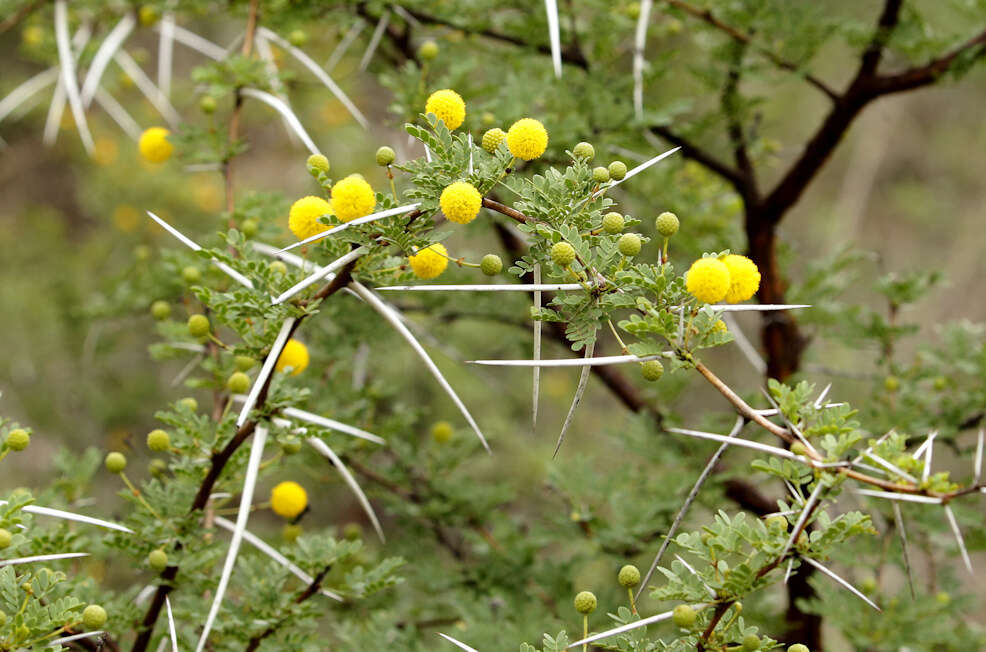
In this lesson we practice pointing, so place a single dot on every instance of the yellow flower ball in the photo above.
(448, 106)
(352, 197)
(708, 280)
(744, 278)
(154, 145)
(294, 357)
(304, 214)
(461, 202)
(288, 499)
(527, 139)
(430, 261)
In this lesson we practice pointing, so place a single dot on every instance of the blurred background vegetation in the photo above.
(903, 195)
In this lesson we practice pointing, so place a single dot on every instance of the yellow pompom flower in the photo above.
(304, 214)
(288, 499)
(430, 261)
(352, 197)
(293, 358)
(744, 278)
(708, 280)
(154, 145)
(448, 106)
(461, 202)
(527, 139)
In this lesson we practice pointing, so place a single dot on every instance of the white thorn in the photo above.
(579, 390)
(745, 346)
(643, 622)
(119, 114)
(195, 42)
(165, 50)
(958, 538)
(281, 107)
(457, 643)
(343, 45)
(171, 625)
(266, 370)
(554, 35)
(538, 330)
(805, 513)
(69, 80)
(773, 450)
(147, 87)
(317, 275)
(28, 560)
(364, 502)
(26, 90)
(372, 217)
(978, 464)
(371, 48)
(639, 43)
(104, 55)
(844, 583)
(907, 498)
(72, 516)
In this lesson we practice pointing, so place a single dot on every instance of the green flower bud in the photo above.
(617, 170)
(684, 616)
(868, 585)
(613, 223)
(491, 265)
(5, 538)
(633, 10)
(600, 174)
(799, 449)
(585, 603)
(249, 228)
(442, 431)
(191, 274)
(563, 254)
(158, 441)
(244, 362)
(751, 642)
(160, 310)
(157, 468)
(116, 462)
(277, 267)
(198, 326)
(629, 244)
(385, 156)
(798, 647)
(94, 617)
(352, 531)
(629, 576)
(488, 118)
(940, 383)
(891, 383)
(776, 522)
(238, 383)
(652, 370)
(148, 15)
(207, 104)
(584, 151)
(428, 50)
(291, 445)
(158, 560)
(290, 533)
(317, 163)
(18, 439)
(298, 37)
(943, 598)
(142, 252)
(667, 224)
(492, 139)
(189, 404)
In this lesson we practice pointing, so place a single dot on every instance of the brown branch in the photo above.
(15, 18)
(234, 120)
(742, 407)
(699, 155)
(503, 209)
(730, 107)
(930, 72)
(308, 592)
(707, 16)
(873, 53)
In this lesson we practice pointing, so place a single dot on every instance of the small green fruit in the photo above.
(584, 151)
(684, 616)
(943, 598)
(94, 617)
(142, 252)
(633, 10)
(798, 647)
(298, 37)
(158, 441)
(18, 439)
(291, 445)
(600, 174)
(116, 462)
(5, 538)
(868, 585)
(585, 603)
(751, 642)
(652, 370)
(160, 310)
(617, 170)
(667, 224)
(385, 156)
(442, 431)
(317, 163)
(629, 244)
(776, 522)
(891, 383)
(198, 326)
(238, 383)
(191, 274)
(799, 449)
(207, 104)
(629, 576)
(940, 383)
(613, 223)
(189, 404)
(563, 254)
(277, 267)
(244, 362)
(249, 228)
(492, 139)
(488, 118)
(352, 531)
(491, 265)
(157, 560)
(148, 15)
(428, 50)
(290, 533)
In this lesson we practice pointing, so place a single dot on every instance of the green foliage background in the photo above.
(885, 245)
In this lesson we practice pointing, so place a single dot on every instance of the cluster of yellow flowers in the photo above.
(429, 262)
(732, 278)
(352, 197)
